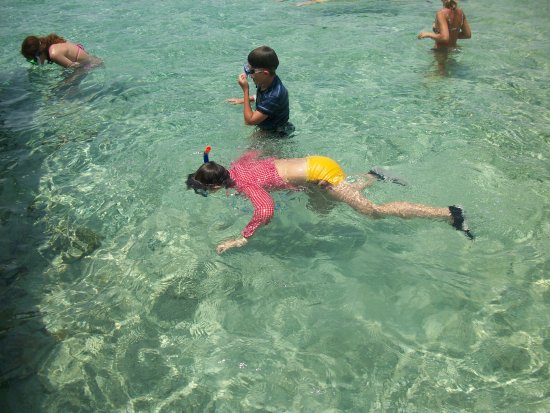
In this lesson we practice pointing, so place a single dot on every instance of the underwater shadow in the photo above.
(26, 247)
(447, 64)
(24, 340)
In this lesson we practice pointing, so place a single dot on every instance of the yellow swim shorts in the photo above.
(321, 168)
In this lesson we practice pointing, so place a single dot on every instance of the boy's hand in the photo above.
(243, 81)
(235, 101)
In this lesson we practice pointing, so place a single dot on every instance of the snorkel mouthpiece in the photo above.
(205, 153)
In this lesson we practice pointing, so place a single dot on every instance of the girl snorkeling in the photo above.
(254, 178)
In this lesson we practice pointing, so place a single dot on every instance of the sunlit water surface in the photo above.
(112, 296)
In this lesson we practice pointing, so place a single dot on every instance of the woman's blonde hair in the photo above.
(450, 4)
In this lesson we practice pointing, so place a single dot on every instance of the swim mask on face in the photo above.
(201, 191)
(249, 71)
(35, 60)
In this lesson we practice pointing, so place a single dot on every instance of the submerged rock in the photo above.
(75, 244)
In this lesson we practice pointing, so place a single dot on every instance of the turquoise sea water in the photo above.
(112, 298)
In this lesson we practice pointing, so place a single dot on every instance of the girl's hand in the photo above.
(234, 243)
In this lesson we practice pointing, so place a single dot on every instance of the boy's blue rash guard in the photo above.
(273, 102)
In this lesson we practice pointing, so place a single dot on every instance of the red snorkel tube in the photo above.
(205, 153)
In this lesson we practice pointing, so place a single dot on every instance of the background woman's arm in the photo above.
(466, 32)
(443, 35)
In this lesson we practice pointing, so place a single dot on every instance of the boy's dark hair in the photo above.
(209, 173)
(264, 57)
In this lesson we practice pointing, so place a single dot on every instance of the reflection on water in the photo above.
(112, 297)
(445, 61)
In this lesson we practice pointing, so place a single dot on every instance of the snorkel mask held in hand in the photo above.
(248, 71)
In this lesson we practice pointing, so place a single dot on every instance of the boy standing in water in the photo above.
(272, 109)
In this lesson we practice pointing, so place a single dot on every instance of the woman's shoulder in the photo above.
(58, 48)
(459, 11)
(444, 12)
(449, 14)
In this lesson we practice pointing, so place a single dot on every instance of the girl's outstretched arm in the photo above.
(233, 243)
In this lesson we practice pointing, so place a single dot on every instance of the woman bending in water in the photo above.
(449, 26)
(255, 178)
(53, 48)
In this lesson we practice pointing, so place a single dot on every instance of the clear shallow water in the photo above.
(113, 298)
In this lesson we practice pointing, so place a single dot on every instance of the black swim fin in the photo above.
(458, 221)
(382, 175)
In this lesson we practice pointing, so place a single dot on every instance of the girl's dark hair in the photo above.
(264, 57)
(33, 45)
(207, 175)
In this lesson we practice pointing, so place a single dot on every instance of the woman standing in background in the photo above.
(449, 26)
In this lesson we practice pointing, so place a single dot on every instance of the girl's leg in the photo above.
(376, 174)
(350, 195)
(363, 181)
